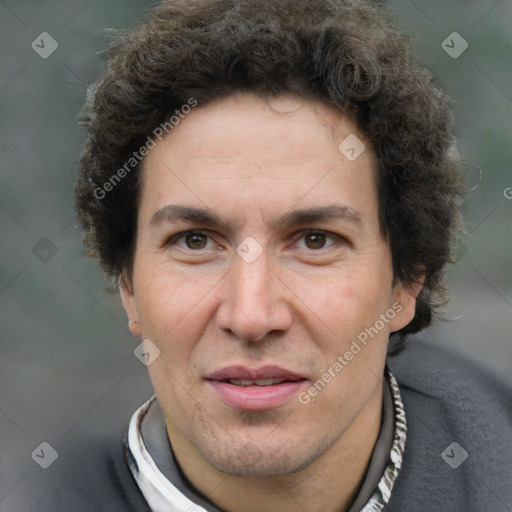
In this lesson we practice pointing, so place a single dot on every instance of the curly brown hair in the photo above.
(347, 53)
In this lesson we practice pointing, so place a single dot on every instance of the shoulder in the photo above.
(458, 455)
(426, 367)
(89, 474)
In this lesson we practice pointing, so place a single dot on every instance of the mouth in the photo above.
(258, 389)
(258, 382)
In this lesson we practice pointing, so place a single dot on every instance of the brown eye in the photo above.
(315, 240)
(196, 241)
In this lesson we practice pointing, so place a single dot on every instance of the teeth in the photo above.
(258, 382)
(266, 382)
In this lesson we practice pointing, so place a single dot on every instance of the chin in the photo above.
(263, 459)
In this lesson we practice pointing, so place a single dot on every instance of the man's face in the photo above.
(259, 257)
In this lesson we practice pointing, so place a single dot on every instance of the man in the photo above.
(273, 185)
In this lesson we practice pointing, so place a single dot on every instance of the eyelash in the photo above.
(299, 236)
(327, 235)
(179, 236)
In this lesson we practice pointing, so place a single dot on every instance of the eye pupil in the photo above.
(196, 241)
(315, 240)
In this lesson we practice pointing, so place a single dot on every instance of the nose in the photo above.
(255, 302)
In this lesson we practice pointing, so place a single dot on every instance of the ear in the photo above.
(404, 304)
(130, 305)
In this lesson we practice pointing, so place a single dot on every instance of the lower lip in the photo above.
(256, 398)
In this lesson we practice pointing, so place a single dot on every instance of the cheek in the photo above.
(173, 308)
(347, 300)
(174, 315)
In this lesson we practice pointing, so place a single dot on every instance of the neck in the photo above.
(329, 484)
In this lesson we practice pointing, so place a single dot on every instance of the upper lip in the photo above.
(246, 373)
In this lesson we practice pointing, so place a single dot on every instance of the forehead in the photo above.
(245, 150)
(304, 127)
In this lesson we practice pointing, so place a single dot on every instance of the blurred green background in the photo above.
(67, 360)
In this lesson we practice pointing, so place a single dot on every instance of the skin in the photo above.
(299, 305)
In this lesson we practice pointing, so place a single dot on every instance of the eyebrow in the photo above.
(174, 213)
(170, 214)
(322, 213)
